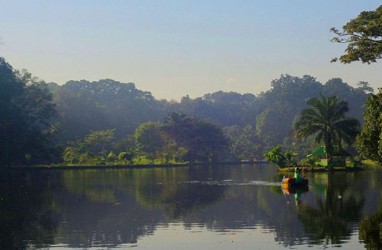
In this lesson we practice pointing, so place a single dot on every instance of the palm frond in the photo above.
(326, 120)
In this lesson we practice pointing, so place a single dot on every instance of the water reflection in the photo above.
(370, 231)
(26, 214)
(107, 208)
(332, 218)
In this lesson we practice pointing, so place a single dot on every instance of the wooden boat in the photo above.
(290, 182)
(293, 190)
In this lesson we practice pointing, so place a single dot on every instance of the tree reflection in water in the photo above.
(332, 219)
(130, 202)
(106, 208)
(370, 228)
(26, 214)
(370, 231)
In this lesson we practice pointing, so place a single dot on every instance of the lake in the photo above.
(220, 207)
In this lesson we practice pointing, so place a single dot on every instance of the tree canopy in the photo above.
(252, 123)
(149, 139)
(101, 105)
(325, 119)
(369, 142)
(203, 141)
(26, 109)
(363, 36)
(219, 125)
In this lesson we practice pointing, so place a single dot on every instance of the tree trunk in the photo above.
(329, 155)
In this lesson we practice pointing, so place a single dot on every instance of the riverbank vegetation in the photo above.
(108, 122)
(112, 123)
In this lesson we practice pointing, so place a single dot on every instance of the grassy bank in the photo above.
(371, 163)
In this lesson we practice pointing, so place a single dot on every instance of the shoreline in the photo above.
(133, 166)
(320, 169)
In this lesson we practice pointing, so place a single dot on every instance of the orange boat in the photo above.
(290, 182)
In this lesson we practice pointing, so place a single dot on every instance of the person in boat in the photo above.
(297, 175)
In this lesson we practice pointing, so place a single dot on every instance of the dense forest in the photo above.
(84, 122)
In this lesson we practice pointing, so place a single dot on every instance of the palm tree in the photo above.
(326, 120)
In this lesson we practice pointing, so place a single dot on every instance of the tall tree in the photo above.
(369, 142)
(203, 141)
(355, 97)
(363, 36)
(26, 108)
(244, 143)
(11, 88)
(208, 143)
(283, 103)
(365, 87)
(148, 138)
(325, 119)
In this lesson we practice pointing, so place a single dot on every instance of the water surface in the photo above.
(225, 207)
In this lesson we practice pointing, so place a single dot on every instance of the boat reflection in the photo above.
(294, 191)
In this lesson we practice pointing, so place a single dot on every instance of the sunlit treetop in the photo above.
(363, 36)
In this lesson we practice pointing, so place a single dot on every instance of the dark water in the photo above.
(225, 207)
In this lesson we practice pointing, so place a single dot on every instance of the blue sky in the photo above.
(175, 48)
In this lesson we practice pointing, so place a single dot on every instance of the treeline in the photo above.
(26, 111)
(107, 121)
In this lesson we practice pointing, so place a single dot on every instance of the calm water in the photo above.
(225, 207)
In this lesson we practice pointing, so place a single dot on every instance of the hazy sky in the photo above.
(175, 48)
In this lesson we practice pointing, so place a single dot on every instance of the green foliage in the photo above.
(251, 123)
(121, 114)
(84, 106)
(26, 109)
(363, 36)
(281, 159)
(244, 143)
(365, 87)
(195, 140)
(97, 142)
(111, 156)
(355, 97)
(92, 150)
(309, 161)
(370, 231)
(71, 155)
(281, 105)
(227, 108)
(201, 140)
(369, 142)
(149, 139)
(126, 157)
(326, 121)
